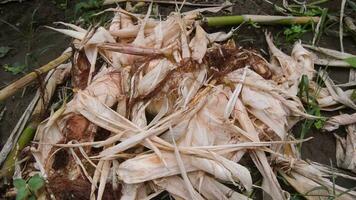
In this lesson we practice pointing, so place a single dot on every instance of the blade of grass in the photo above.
(317, 2)
(320, 26)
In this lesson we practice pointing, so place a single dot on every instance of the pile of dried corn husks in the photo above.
(165, 106)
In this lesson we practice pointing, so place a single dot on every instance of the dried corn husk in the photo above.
(334, 122)
(345, 149)
(50, 131)
(336, 92)
(312, 180)
(188, 109)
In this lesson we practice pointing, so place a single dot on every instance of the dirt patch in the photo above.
(40, 45)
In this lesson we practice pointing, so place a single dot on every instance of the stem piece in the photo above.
(26, 136)
(54, 78)
(13, 87)
(262, 19)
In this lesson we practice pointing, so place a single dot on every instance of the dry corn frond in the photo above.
(346, 150)
(177, 111)
(334, 122)
(311, 180)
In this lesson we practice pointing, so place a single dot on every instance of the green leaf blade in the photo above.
(35, 183)
(32, 197)
(14, 69)
(351, 61)
(19, 183)
(22, 194)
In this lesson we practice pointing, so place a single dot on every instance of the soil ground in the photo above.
(42, 45)
(39, 43)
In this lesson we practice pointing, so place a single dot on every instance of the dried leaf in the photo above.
(334, 122)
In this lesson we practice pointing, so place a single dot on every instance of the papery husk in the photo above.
(174, 185)
(335, 122)
(288, 70)
(268, 103)
(270, 183)
(263, 97)
(72, 33)
(336, 92)
(199, 44)
(129, 191)
(212, 189)
(154, 77)
(335, 58)
(324, 99)
(346, 149)
(80, 71)
(330, 52)
(51, 130)
(180, 111)
(210, 165)
(312, 181)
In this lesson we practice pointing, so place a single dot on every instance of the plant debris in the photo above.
(162, 105)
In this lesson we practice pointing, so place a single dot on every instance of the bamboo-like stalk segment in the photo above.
(55, 77)
(13, 87)
(25, 138)
(261, 19)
